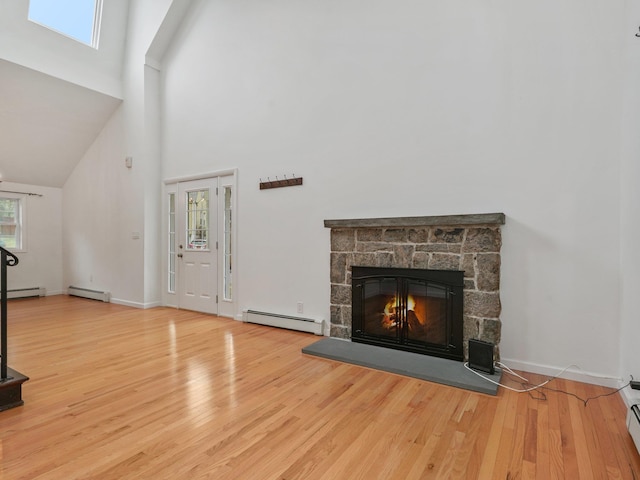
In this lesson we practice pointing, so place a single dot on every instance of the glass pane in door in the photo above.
(172, 244)
(227, 244)
(198, 220)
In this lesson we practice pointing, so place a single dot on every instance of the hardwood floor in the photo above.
(121, 393)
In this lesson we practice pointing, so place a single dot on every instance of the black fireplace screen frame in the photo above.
(443, 288)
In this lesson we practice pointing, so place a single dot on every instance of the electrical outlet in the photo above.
(300, 307)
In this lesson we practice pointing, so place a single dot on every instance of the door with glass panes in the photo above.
(196, 249)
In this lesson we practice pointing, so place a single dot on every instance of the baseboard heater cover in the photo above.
(26, 292)
(88, 293)
(301, 324)
(633, 425)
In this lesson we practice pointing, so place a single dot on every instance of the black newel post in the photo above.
(6, 258)
(3, 318)
(10, 380)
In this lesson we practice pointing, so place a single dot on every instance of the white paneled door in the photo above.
(196, 252)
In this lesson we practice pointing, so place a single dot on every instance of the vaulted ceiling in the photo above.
(56, 94)
(46, 125)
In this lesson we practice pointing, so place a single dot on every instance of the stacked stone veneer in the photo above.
(455, 242)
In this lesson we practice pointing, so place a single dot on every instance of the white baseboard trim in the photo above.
(128, 303)
(55, 292)
(570, 374)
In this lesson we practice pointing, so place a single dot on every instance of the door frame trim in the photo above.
(201, 176)
(170, 185)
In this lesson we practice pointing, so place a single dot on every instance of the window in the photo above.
(12, 221)
(172, 243)
(198, 220)
(227, 244)
(78, 19)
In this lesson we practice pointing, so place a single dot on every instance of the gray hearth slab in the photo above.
(424, 367)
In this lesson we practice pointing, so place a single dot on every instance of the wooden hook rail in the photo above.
(287, 182)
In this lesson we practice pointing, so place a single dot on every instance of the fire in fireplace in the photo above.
(415, 310)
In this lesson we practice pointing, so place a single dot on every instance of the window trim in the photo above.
(21, 224)
(95, 28)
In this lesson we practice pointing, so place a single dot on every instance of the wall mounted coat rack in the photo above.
(286, 182)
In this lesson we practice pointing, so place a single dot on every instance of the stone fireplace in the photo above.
(469, 243)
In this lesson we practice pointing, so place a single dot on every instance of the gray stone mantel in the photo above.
(433, 220)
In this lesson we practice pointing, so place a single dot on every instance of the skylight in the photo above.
(78, 19)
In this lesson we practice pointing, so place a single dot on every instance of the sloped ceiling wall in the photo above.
(46, 125)
(55, 93)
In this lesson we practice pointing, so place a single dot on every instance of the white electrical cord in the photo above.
(504, 367)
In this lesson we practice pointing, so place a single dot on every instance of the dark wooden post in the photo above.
(10, 380)
(7, 259)
(3, 315)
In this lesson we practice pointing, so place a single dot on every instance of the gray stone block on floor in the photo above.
(424, 367)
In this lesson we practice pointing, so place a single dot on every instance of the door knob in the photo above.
(179, 255)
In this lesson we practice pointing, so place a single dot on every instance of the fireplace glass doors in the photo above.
(409, 309)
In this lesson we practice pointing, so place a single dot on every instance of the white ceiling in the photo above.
(56, 94)
(46, 125)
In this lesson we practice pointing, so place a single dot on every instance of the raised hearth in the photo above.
(468, 243)
(432, 369)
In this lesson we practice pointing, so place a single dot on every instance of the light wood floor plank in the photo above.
(122, 393)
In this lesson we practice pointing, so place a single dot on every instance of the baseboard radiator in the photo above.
(26, 292)
(633, 425)
(88, 293)
(285, 321)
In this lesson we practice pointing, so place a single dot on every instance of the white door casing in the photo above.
(200, 264)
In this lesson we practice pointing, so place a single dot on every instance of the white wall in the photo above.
(417, 108)
(111, 218)
(40, 265)
(142, 132)
(630, 208)
(102, 209)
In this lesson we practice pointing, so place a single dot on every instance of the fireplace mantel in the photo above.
(469, 243)
(466, 220)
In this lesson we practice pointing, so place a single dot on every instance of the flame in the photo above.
(391, 307)
(390, 320)
(411, 303)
